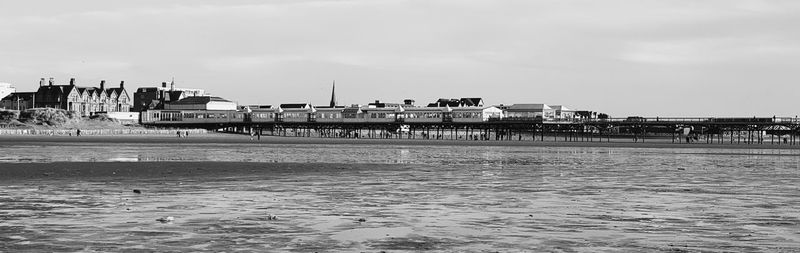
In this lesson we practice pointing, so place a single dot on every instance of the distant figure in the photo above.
(186, 134)
(251, 135)
(78, 132)
(259, 135)
(179, 134)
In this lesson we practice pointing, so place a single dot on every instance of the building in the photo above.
(301, 112)
(201, 103)
(454, 102)
(150, 98)
(529, 112)
(6, 89)
(562, 112)
(379, 104)
(83, 100)
(476, 114)
(18, 101)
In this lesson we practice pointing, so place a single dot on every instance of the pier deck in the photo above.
(780, 130)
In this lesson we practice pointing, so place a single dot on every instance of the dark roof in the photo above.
(323, 107)
(22, 95)
(471, 101)
(65, 89)
(199, 100)
(351, 110)
(173, 95)
(442, 102)
(119, 91)
(295, 106)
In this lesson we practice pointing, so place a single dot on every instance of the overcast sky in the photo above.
(634, 57)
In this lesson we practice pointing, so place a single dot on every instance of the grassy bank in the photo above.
(57, 122)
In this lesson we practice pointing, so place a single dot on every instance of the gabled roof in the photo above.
(442, 102)
(199, 100)
(471, 101)
(111, 92)
(81, 90)
(119, 91)
(173, 95)
(94, 91)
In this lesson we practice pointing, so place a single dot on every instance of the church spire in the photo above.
(333, 95)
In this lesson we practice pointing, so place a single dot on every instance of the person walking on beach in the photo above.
(186, 134)
(78, 132)
(179, 134)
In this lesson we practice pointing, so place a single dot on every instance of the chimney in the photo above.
(51, 81)
(72, 81)
(103, 84)
(121, 84)
(41, 82)
(163, 84)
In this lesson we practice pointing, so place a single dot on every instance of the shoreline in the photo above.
(223, 138)
(171, 170)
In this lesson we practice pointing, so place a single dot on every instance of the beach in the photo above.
(246, 139)
(105, 194)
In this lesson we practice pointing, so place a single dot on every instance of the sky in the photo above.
(665, 58)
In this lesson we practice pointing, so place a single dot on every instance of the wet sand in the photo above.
(554, 204)
(245, 139)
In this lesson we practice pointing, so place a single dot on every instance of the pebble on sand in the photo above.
(166, 219)
(361, 219)
(137, 191)
(272, 217)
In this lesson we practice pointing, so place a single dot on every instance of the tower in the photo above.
(333, 95)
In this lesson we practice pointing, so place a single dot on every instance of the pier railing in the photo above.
(656, 120)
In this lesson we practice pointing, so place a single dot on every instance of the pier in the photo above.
(776, 130)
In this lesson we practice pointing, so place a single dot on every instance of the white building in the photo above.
(476, 114)
(529, 112)
(562, 112)
(201, 103)
(6, 89)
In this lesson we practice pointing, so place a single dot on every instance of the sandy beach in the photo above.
(287, 194)
(245, 140)
(222, 206)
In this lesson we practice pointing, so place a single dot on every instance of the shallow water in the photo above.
(411, 198)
